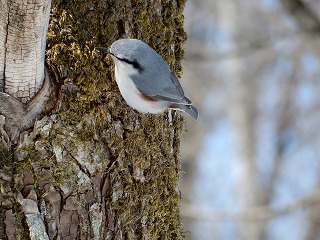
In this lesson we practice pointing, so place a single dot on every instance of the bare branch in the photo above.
(306, 18)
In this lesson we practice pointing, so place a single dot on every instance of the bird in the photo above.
(145, 80)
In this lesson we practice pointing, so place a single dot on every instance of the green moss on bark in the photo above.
(94, 133)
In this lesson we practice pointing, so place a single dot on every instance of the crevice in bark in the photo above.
(82, 167)
(5, 49)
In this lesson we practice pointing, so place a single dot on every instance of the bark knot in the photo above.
(16, 117)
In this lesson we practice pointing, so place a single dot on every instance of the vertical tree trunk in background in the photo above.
(93, 168)
(241, 111)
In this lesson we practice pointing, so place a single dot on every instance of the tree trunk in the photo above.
(241, 110)
(89, 167)
(24, 29)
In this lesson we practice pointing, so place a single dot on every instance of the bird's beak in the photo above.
(103, 49)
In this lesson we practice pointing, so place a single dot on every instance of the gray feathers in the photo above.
(151, 81)
(150, 77)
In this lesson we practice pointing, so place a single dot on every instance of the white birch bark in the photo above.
(23, 31)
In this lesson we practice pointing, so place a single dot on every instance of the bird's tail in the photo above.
(189, 109)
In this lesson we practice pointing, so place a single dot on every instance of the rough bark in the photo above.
(93, 168)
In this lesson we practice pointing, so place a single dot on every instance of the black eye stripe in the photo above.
(134, 63)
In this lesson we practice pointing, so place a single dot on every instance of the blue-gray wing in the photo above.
(159, 83)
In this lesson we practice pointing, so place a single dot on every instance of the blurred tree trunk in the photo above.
(88, 167)
(241, 110)
(308, 21)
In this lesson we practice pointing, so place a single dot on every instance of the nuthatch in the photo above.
(145, 79)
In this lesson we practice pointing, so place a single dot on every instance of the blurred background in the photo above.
(252, 160)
